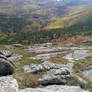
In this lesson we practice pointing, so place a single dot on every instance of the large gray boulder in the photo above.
(54, 73)
(8, 84)
(55, 88)
(45, 66)
(55, 76)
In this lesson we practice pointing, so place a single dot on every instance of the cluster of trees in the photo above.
(22, 23)
(52, 35)
(9, 25)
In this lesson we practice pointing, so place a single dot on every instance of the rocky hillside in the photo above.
(45, 68)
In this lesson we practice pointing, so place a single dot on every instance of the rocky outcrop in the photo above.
(8, 84)
(6, 68)
(47, 56)
(55, 76)
(78, 54)
(45, 66)
(55, 73)
(55, 88)
(7, 65)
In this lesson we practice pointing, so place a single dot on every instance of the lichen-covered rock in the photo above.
(55, 76)
(45, 66)
(55, 88)
(8, 84)
(54, 73)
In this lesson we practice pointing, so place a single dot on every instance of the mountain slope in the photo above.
(17, 17)
(75, 15)
(41, 14)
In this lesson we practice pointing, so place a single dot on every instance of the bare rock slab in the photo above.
(55, 88)
(54, 73)
(8, 84)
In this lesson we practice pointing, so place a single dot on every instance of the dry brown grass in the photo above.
(27, 80)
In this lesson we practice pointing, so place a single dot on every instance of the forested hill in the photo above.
(82, 29)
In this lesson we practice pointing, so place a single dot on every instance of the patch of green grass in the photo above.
(58, 60)
(25, 61)
(3, 47)
(23, 52)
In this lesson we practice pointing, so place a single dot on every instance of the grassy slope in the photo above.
(39, 14)
(83, 28)
(75, 15)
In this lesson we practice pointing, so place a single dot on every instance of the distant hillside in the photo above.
(52, 35)
(74, 15)
(44, 20)
(34, 15)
